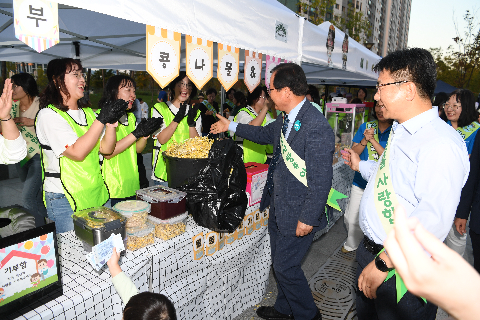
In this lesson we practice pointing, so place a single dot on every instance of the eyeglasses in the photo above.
(185, 85)
(79, 75)
(378, 86)
(263, 97)
(270, 90)
(453, 107)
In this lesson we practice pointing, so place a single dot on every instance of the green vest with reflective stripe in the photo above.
(253, 152)
(181, 134)
(82, 181)
(121, 172)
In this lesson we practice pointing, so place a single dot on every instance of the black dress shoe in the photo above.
(318, 316)
(270, 313)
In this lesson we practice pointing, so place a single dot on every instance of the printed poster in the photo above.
(163, 54)
(36, 23)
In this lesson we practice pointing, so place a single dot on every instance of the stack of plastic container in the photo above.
(139, 231)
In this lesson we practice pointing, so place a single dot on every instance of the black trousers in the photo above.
(385, 306)
(476, 249)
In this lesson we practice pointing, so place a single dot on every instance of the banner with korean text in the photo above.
(36, 23)
(252, 70)
(271, 62)
(228, 65)
(199, 60)
(163, 54)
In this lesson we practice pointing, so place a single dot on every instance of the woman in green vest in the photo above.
(180, 122)
(255, 114)
(119, 169)
(71, 137)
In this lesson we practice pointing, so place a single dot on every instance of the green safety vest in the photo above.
(253, 152)
(82, 181)
(181, 134)
(121, 172)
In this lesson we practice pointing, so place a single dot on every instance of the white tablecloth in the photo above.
(220, 286)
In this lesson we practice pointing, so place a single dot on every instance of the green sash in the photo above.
(385, 201)
(210, 108)
(467, 131)
(298, 168)
(372, 153)
(230, 103)
(28, 133)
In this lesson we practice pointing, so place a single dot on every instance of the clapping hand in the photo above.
(6, 100)
(147, 126)
(369, 134)
(112, 112)
(180, 113)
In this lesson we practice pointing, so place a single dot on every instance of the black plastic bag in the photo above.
(216, 196)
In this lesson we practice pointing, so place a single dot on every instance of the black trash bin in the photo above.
(179, 170)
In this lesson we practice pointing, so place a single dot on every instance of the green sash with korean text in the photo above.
(372, 153)
(467, 131)
(28, 133)
(230, 104)
(385, 201)
(298, 168)
(210, 108)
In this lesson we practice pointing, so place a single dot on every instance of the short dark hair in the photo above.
(28, 84)
(290, 75)
(110, 92)
(416, 65)
(254, 96)
(149, 306)
(313, 92)
(230, 90)
(174, 82)
(240, 97)
(467, 100)
(140, 99)
(56, 70)
(210, 91)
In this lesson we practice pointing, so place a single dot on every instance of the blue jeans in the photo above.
(32, 197)
(60, 211)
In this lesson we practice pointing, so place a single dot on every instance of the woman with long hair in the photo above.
(180, 122)
(71, 139)
(119, 169)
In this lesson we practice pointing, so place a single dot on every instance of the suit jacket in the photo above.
(470, 197)
(314, 142)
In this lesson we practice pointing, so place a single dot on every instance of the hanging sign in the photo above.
(252, 70)
(199, 60)
(228, 61)
(36, 23)
(272, 62)
(163, 54)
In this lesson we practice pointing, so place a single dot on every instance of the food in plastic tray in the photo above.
(139, 237)
(136, 212)
(97, 217)
(168, 229)
(194, 148)
(157, 194)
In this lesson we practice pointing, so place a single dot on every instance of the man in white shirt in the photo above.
(423, 168)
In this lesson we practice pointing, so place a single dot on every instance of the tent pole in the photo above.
(222, 101)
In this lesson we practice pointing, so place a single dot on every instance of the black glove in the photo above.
(181, 113)
(112, 112)
(192, 114)
(147, 126)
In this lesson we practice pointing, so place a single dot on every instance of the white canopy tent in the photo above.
(111, 35)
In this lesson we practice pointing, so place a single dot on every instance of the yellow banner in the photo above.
(228, 62)
(36, 23)
(199, 60)
(163, 54)
(252, 70)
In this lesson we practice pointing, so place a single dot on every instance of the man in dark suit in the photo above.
(296, 206)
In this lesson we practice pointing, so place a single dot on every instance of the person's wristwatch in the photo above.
(382, 265)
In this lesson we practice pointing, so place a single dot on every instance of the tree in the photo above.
(96, 80)
(316, 10)
(354, 23)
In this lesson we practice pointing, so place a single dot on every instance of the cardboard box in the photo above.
(256, 179)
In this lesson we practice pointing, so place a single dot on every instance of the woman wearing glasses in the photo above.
(255, 114)
(71, 139)
(180, 122)
(462, 116)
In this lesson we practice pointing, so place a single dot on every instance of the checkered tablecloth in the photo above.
(219, 286)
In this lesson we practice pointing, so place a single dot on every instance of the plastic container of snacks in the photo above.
(168, 229)
(135, 211)
(140, 237)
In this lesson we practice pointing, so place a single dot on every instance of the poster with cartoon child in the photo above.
(26, 267)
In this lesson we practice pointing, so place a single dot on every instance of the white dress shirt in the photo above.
(429, 165)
